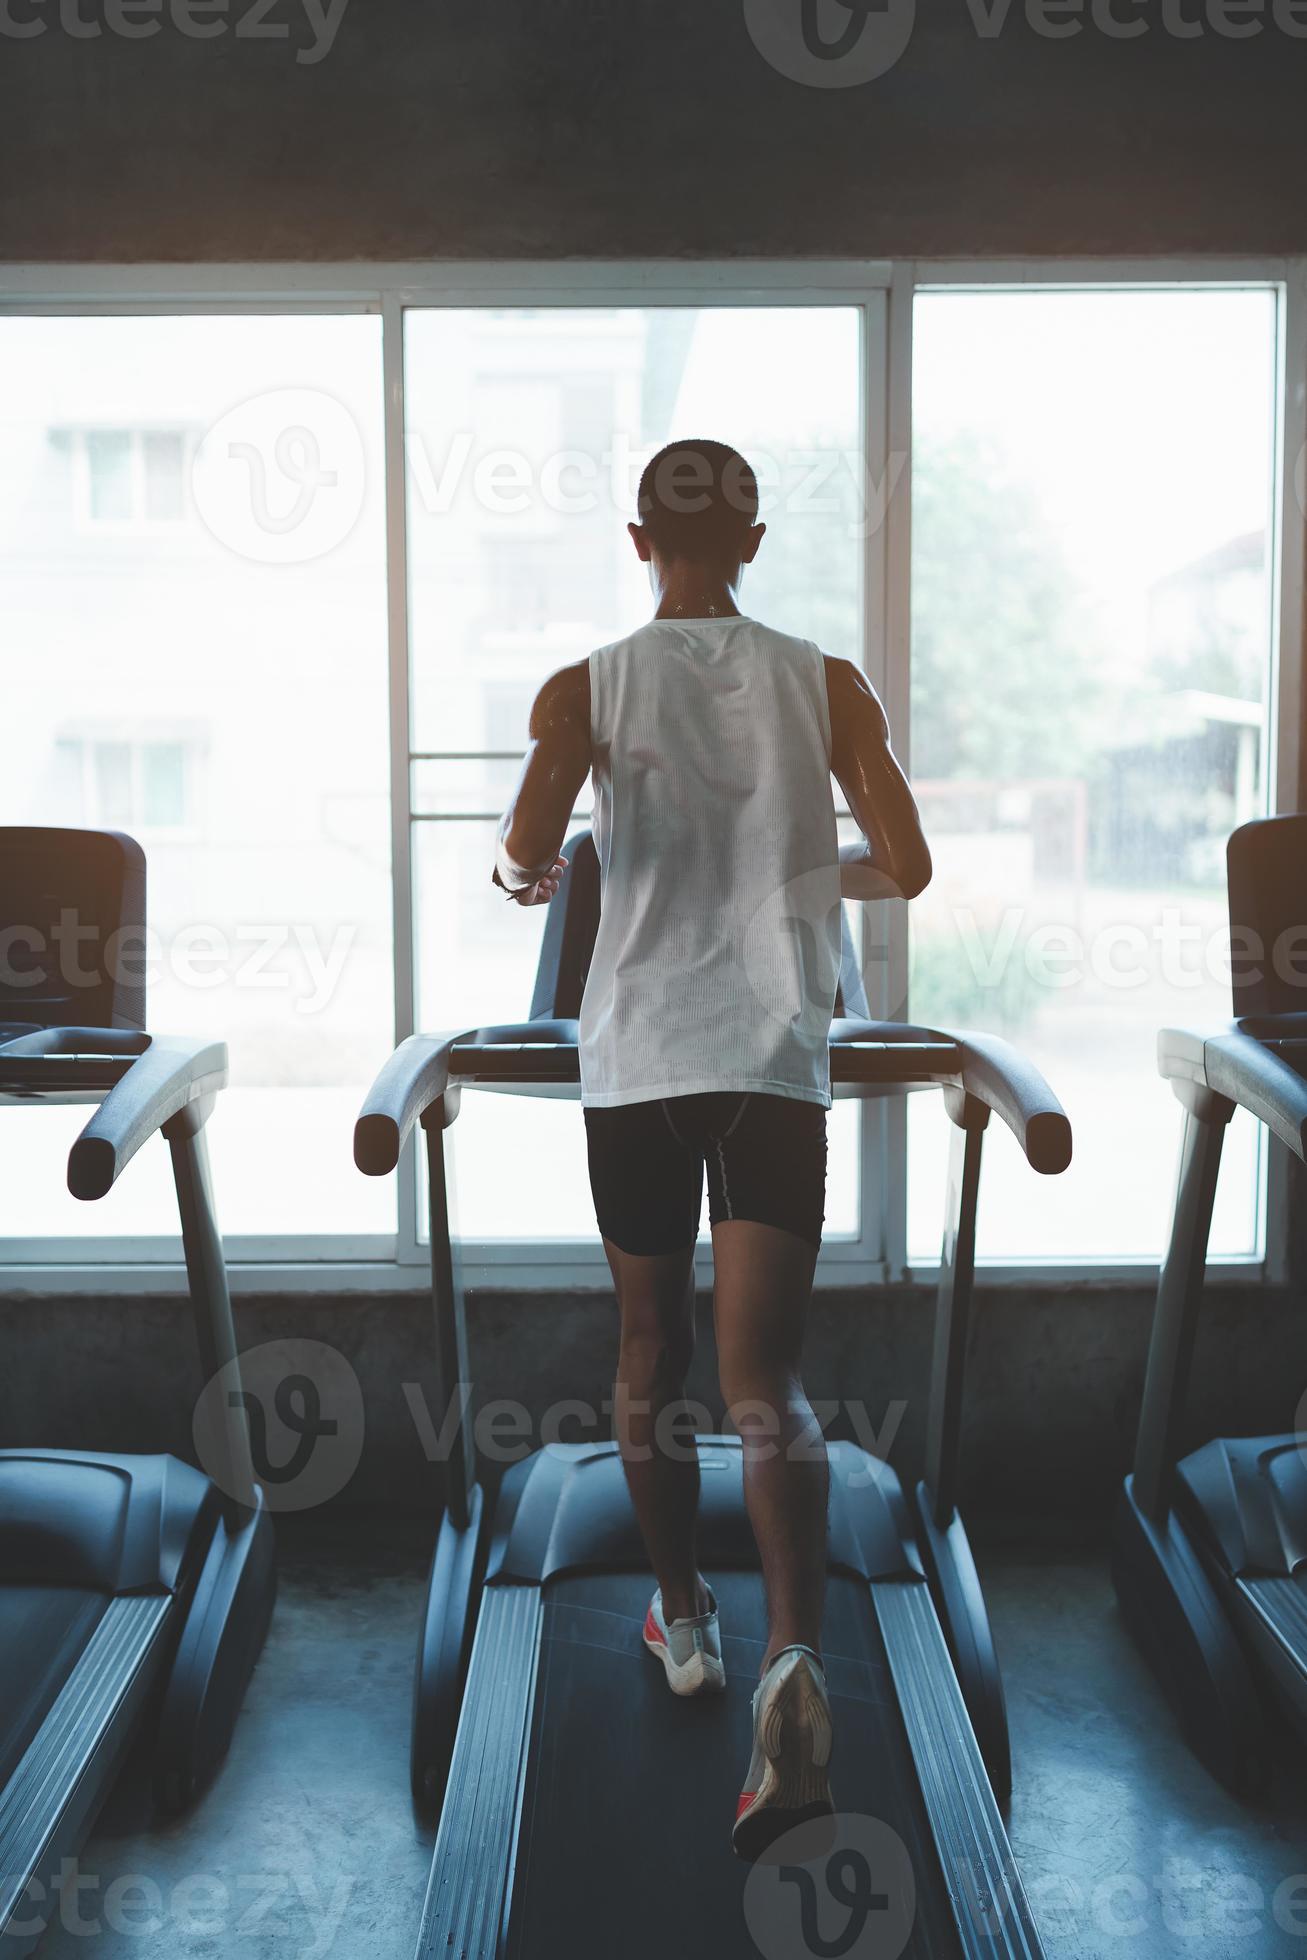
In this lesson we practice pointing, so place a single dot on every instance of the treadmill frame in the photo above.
(424, 1081)
(198, 1658)
(1201, 1629)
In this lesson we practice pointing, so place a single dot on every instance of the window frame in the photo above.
(884, 292)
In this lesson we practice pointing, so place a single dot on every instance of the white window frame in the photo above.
(884, 293)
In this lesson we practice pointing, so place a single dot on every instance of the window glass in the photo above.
(163, 456)
(526, 433)
(1091, 658)
(239, 640)
(109, 473)
(163, 785)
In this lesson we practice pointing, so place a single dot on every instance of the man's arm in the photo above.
(895, 862)
(527, 864)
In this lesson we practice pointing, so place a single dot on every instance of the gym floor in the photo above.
(307, 1848)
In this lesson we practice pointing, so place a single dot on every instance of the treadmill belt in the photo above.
(625, 1840)
(43, 1630)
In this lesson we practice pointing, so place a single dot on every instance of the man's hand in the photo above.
(544, 888)
(861, 878)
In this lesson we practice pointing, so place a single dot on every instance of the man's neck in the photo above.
(696, 593)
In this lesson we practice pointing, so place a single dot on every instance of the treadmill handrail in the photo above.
(414, 1077)
(115, 1043)
(1241, 1067)
(987, 1069)
(173, 1072)
(1006, 1081)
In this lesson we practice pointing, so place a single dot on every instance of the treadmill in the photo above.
(587, 1811)
(1210, 1549)
(135, 1591)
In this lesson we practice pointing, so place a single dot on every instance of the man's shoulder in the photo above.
(565, 696)
(851, 692)
(789, 646)
(617, 646)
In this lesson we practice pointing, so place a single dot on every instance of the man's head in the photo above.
(698, 504)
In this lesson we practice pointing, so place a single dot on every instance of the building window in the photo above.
(147, 787)
(130, 476)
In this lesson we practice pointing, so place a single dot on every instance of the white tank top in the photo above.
(717, 956)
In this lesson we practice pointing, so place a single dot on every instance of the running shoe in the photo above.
(787, 1782)
(690, 1650)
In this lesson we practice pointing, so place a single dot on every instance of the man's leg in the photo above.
(763, 1283)
(656, 1298)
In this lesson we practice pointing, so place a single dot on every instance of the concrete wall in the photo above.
(556, 127)
(1052, 1404)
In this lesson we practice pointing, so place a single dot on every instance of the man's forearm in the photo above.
(511, 876)
(861, 878)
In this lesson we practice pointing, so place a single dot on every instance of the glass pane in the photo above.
(65, 786)
(1091, 656)
(163, 785)
(250, 633)
(112, 764)
(475, 786)
(109, 474)
(163, 455)
(526, 435)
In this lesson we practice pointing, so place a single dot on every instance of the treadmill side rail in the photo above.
(472, 1868)
(46, 1805)
(989, 1901)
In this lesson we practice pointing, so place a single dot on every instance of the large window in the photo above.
(525, 435)
(192, 586)
(277, 588)
(1092, 620)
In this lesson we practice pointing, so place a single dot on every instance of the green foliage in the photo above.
(1001, 679)
(944, 990)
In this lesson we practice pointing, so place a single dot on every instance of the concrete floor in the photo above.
(307, 1848)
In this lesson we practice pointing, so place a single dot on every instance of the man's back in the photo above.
(718, 949)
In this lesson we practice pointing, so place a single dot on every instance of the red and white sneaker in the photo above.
(690, 1650)
(787, 1782)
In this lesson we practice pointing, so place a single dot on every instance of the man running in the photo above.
(712, 740)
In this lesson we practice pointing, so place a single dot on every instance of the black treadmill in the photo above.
(135, 1591)
(1210, 1549)
(585, 1810)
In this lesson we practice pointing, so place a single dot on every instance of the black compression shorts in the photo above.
(765, 1158)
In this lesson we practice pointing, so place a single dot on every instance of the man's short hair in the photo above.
(698, 499)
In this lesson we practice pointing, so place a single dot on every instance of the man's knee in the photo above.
(760, 1400)
(656, 1359)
